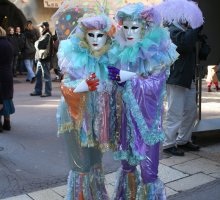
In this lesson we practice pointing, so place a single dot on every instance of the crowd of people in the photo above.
(113, 88)
(34, 54)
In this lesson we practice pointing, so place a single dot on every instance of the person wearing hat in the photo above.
(142, 48)
(86, 112)
(43, 56)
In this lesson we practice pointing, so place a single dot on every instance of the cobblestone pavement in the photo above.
(184, 177)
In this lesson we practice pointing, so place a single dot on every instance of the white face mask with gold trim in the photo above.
(96, 39)
(132, 31)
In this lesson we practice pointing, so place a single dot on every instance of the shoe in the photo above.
(174, 151)
(27, 80)
(190, 146)
(7, 126)
(35, 94)
(33, 80)
(217, 88)
(45, 95)
(1, 148)
(209, 89)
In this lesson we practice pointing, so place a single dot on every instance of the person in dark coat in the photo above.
(181, 93)
(6, 81)
(29, 50)
(14, 41)
(21, 45)
(54, 58)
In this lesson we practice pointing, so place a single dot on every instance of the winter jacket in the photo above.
(44, 47)
(29, 49)
(21, 43)
(6, 75)
(14, 41)
(182, 71)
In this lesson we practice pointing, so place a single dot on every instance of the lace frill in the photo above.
(127, 185)
(90, 186)
(152, 191)
(152, 54)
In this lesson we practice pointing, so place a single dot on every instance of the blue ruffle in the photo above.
(78, 61)
(155, 52)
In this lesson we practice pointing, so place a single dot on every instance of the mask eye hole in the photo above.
(100, 35)
(125, 27)
(90, 34)
(134, 27)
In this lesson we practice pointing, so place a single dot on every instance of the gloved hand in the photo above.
(92, 82)
(114, 73)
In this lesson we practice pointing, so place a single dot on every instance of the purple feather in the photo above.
(181, 10)
(152, 15)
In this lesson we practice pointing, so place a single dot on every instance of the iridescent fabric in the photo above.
(140, 117)
(142, 96)
(86, 186)
(152, 191)
(86, 119)
(127, 185)
(91, 112)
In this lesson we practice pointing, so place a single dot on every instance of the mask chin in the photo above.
(132, 31)
(96, 39)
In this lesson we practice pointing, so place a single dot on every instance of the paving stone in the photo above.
(198, 165)
(61, 190)
(167, 174)
(211, 152)
(170, 192)
(190, 182)
(215, 175)
(47, 194)
(174, 160)
(20, 197)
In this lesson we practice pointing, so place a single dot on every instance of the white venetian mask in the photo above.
(96, 39)
(132, 31)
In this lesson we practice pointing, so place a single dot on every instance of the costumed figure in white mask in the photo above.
(84, 114)
(140, 60)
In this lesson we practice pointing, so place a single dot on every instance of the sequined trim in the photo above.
(87, 186)
(152, 191)
(127, 185)
(67, 127)
(150, 137)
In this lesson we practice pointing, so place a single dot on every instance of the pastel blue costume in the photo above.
(85, 119)
(140, 99)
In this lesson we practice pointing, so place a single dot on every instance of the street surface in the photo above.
(34, 158)
(34, 162)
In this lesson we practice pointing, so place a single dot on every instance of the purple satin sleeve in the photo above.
(147, 93)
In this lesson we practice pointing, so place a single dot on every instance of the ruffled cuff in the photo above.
(152, 191)
(86, 185)
(127, 185)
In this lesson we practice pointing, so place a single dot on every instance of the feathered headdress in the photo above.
(181, 10)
